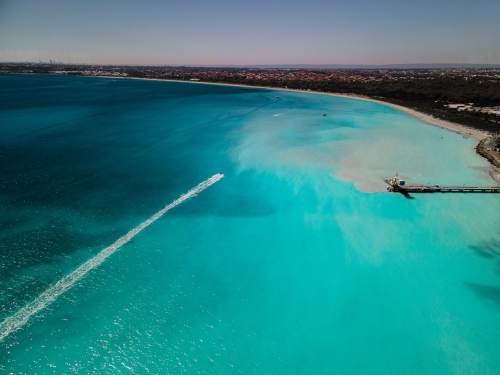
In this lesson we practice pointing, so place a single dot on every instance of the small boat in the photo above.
(324, 114)
(277, 96)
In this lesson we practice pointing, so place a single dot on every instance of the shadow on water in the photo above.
(233, 206)
(491, 293)
(406, 194)
(487, 249)
(490, 250)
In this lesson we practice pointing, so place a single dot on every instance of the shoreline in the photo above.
(479, 135)
(457, 128)
(482, 137)
(428, 119)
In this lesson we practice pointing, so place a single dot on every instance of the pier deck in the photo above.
(442, 189)
(397, 185)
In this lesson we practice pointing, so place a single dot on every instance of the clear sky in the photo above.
(238, 32)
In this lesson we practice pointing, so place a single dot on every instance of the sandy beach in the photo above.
(462, 129)
(484, 138)
(457, 128)
(481, 136)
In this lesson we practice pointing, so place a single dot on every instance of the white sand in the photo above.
(462, 129)
(494, 173)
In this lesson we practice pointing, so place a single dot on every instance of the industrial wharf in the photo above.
(397, 185)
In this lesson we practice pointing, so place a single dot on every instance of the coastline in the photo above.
(479, 135)
(457, 128)
(482, 137)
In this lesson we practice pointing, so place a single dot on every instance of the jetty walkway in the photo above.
(397, 185)
(442, 189)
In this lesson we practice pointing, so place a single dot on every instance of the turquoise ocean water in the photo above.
(297, 262)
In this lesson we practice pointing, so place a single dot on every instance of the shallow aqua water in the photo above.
(297, 262)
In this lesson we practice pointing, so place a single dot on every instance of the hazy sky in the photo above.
(211, 32)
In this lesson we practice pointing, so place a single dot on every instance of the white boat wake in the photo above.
(21, 317)
(278, 114)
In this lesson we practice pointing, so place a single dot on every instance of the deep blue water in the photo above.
(297, 262)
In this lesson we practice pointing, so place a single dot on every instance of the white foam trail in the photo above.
(21, 317)
(278, 114)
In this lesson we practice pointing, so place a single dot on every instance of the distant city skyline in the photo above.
(192, 32)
